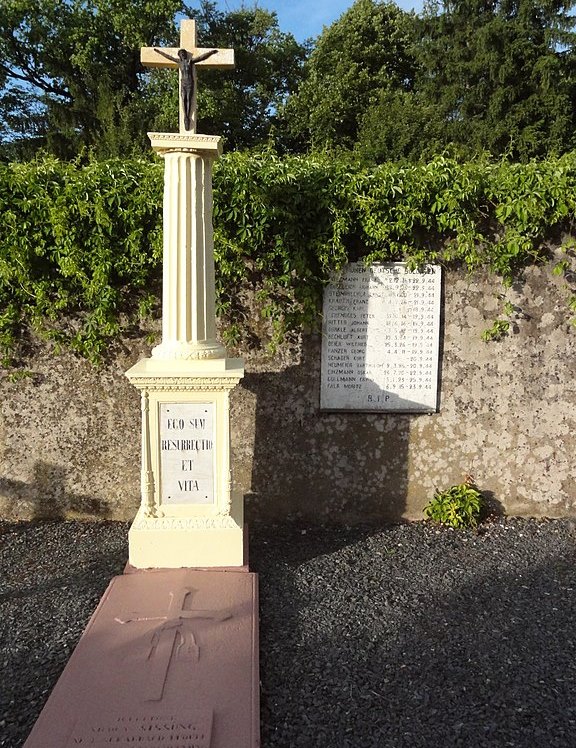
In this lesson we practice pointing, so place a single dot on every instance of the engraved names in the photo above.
(187, 453)
(381, 339)
(145, 729)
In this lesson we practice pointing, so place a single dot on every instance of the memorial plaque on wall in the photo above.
(187, 453)
(380, 339)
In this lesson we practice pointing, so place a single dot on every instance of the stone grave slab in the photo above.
(381, 339)
(168, 659)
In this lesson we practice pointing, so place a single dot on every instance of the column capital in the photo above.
(209, 146)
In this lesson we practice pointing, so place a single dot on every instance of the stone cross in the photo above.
(171, 636)
(185, 58)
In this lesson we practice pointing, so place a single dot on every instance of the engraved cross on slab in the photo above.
(172, 638)
(185, 58)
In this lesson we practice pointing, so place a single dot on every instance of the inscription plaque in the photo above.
(380, 339)
(128, 730)
(187, 453)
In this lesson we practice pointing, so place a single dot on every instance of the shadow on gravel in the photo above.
(79, 582)
(385, 661)
(295, 544)
(53, 576)
(404, 637)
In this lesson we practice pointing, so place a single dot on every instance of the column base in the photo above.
(171, 350)
(188, 542)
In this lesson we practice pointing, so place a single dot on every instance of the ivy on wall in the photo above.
(285, 225)
(79, 250)
(80, 245)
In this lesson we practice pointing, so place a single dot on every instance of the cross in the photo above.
(170, 636)
(185, 58)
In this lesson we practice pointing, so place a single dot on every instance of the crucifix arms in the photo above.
(185, 58)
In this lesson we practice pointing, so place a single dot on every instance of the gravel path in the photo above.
(402, 636)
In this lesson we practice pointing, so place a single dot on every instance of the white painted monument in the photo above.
(380, 339)
(189, 515)
(171, 657)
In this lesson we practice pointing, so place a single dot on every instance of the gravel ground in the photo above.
(401, 636)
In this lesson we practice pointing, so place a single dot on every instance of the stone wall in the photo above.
(70, 433)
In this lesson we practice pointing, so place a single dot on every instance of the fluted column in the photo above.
(188, 305)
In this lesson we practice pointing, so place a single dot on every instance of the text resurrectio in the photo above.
(187, 453)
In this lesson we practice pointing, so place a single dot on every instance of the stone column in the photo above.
(188, 307)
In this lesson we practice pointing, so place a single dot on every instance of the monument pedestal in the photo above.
(174, 543)
(189, 516)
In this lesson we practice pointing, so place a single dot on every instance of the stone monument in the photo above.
(189, 515)
(170, 655)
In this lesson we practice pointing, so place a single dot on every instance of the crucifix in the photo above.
(186, 58)
(172, 638)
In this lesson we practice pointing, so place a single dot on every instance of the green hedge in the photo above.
(80, 249)
(80, 246)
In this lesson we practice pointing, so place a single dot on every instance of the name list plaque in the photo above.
(380, 339)
(187, 453)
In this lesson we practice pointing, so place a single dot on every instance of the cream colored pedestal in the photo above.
(208, 531)
(189, 516)
(174, 543)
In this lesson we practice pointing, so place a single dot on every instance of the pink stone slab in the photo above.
(129, 569)
(168, 660)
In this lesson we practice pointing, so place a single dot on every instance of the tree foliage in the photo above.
(467, 77)
(70, 76)
(73, 70)
(364, 52)
(470, 76)
(501, 73)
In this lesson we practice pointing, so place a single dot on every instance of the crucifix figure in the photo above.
(172, 638)
(186, 63)
(186, 58)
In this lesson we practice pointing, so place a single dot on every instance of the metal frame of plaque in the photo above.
(380, 339)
